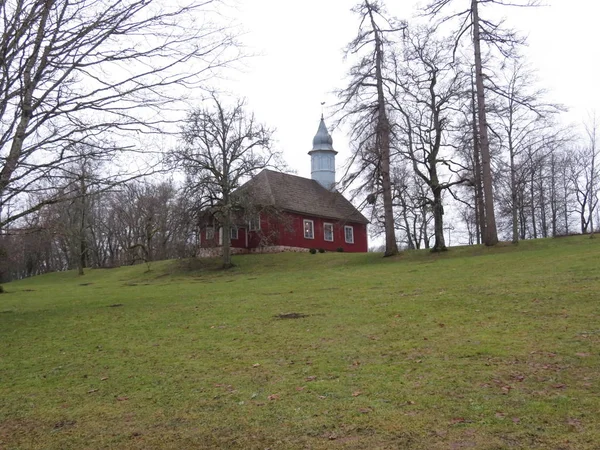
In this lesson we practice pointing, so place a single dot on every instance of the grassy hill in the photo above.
(476, 348)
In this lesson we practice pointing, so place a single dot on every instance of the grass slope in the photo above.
(476, 348)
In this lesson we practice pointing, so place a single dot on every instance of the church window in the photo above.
(309, 229)
(349, 234)
(328, 232)
(254, 223)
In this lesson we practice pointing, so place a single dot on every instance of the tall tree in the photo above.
(585, 176)
(222, 147)
(364, 102)
(429, 88)
(523, 121)
(75, 70)
(482, 31)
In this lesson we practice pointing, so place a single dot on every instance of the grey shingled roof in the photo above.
(301, 195)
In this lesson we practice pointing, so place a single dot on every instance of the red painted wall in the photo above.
(208, 243)
(241, 240)
(287, 229)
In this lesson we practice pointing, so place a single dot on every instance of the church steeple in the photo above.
(322, 157)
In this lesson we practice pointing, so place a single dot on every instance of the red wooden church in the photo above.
(291, 213)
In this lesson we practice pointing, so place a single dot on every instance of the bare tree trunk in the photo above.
(479, 203)
(410, 236)
(383, 139)
(532, 202)
(391, 247)
(491, 233)
(438, 221)
(553, 195)
(513, 194)
(424, 229)
(226, 233)
(418, 236)
(522, 217)
(81, 244)
(592, 182)
(543, 219)
(476, 236)
(566, 188)
(227, 242)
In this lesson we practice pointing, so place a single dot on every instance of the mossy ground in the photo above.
(473, 348)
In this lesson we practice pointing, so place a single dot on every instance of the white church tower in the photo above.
(322, 157)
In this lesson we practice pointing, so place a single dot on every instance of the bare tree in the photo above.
(585, 176)
(428, 91)
(482, 31)
(222, 147)
(593, 169)
(365, 103)
(413, 208)
(73, 71)
(523, 121)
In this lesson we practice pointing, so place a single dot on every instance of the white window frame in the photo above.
(325, 225)
(210, 236)
(351, 228)
(254, 221)
(233, 233)
(312, 228)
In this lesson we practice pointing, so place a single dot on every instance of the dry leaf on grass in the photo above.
(457, 420)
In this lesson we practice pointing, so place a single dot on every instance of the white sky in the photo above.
(300, 62)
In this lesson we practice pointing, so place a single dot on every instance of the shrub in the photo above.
(312, 251)
(1, 289)
(321, 250)
(340, 249)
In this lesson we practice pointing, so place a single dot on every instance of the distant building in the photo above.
(289, 213)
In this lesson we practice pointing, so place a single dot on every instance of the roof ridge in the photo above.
(278, 172)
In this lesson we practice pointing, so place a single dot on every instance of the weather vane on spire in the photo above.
(322, 103)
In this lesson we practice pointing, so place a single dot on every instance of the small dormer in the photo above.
(322, 157)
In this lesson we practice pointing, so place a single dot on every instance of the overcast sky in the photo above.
(300, 61)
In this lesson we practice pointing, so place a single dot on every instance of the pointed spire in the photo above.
(322, 157)
(322, 140)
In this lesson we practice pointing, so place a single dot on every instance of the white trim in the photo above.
(351, 228)
(312, 228)
(325, 225)
(233, 235)
(220, 235)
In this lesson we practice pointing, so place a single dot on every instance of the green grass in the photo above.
(476, 348)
